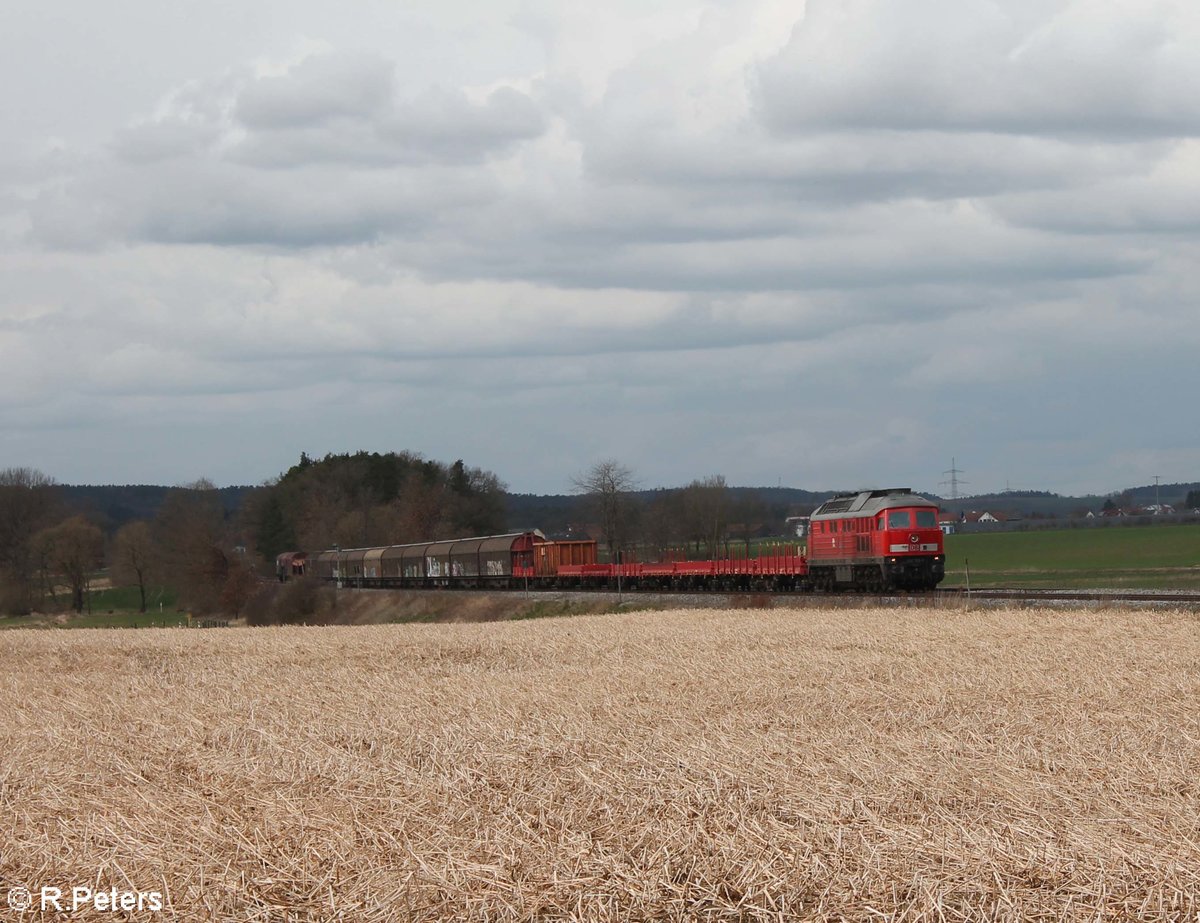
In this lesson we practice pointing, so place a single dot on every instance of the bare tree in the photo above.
(189, 538)
(133, 557)
(241, 584)
(28, 502)
(706, 512)
(609, 484)
(661, 522)
(75, 549)
(748, 513)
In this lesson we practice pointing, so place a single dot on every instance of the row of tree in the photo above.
(213, 558)
(49, 553)
(706, 518)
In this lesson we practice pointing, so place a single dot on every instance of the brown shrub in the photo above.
(297, 602)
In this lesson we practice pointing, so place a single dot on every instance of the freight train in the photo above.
(873, 540)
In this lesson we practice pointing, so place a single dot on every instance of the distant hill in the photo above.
(553, 513)
(110, 506)
(1037, 504)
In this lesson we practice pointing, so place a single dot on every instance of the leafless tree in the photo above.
(189, 534)
(74, 549)
(133, 557)
(241, 584)
(706, 508)
(748, 514)
(608, 484)
(28, 503)
(662, 523)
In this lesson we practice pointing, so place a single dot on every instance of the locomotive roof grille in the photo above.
(844, 503)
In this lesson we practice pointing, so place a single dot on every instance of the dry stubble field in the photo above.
(815, 764)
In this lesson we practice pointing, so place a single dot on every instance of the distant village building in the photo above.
(990, 517)
(1154, 509)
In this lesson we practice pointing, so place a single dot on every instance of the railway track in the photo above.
(956, 595)
(950, 597)
(1182, 598)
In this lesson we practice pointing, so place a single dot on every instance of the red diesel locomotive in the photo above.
(876, 540)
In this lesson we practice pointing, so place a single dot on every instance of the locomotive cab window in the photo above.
(926, 519)
(899, 519)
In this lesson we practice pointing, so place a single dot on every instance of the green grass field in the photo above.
(1142, 557)
(111, 608)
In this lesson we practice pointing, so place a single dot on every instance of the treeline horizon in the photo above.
(214, 547)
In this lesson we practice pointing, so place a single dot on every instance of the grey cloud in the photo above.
(1098, 70)
(436, 127)
(164, 140)
(190, 123)
(848, 166)
(318, 90)
(761, 249)
(327, 154)
(1162, 202)
(340, 109)
(448, 124)
(215, 202)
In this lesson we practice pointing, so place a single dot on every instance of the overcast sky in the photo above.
(830, 244)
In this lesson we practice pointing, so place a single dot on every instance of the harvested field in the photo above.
(774, 764)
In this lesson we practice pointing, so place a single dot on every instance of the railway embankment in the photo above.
(366, 607)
